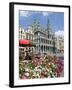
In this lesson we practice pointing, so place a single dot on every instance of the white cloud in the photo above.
(24, 13)
(59, 33)
(46, 13)
(28, 13)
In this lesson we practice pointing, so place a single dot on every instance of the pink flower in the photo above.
(60, 67)
(37, 61)
(24, 77)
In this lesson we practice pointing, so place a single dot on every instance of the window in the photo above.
(50, 42)
(26, 35)
(48, 36)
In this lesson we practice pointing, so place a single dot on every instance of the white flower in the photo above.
(53, 64)
(49, 76)
(38, 69)
(27, 74)
(43, 69)
(27, 69)
(34, 74)
(49, 63)
(21, 68)
(50, 71)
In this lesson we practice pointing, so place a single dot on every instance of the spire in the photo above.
(36, 24)
(48, 24)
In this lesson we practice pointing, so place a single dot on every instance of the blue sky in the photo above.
(56, 19)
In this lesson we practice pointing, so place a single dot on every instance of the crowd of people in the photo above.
(26, 54)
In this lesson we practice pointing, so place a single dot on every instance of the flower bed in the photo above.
(41, 68)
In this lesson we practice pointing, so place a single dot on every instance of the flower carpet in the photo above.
(50, 67)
